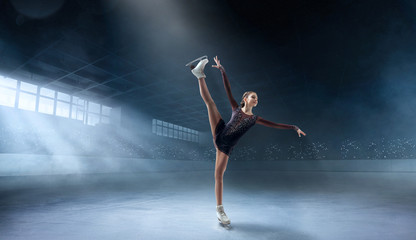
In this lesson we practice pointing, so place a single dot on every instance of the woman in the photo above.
(225, 136)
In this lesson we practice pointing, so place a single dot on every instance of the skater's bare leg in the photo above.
(220, 166)
(213, 114)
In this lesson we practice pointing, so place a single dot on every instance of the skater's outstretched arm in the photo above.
(227, 85)
(267, 123)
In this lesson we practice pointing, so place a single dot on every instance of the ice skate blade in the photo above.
(196, 60)
(224, 224)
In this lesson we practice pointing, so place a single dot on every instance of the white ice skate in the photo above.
(222, 217)
(198, 71)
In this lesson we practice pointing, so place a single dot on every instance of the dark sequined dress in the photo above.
(227, 135)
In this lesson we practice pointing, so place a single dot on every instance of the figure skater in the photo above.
(225, 136)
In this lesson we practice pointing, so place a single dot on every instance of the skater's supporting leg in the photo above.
(220, 166)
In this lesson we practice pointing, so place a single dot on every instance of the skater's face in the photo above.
(252, 100)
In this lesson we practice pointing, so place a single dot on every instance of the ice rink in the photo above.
(181, 205)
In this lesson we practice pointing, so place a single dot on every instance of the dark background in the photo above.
(343, 71)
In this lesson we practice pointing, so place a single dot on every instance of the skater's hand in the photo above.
(301, 132)
(217, 61)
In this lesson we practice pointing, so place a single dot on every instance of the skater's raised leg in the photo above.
(213, 114)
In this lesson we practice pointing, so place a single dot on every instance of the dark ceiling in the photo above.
(295, 54)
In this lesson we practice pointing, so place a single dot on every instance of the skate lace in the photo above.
(222, 213)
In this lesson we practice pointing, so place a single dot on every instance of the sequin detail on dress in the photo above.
(227, 135)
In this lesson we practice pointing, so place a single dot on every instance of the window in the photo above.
(105, 114)
(46, 105)
(47, 92)
(64, 97)
(170, 133)
(27, 101)
(27, 87)
(93, 107)
(170, 130)
(78, 108)
(154, 126)
(62, 104)
(7, 97)
(34, 98)
(7, 91)
(175, 134)
(62, 109)
(93, 116)
(78, 101)
(78, 114)
(46, 101)
(98, 113)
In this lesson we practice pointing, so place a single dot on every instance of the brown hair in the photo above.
(242, 103)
